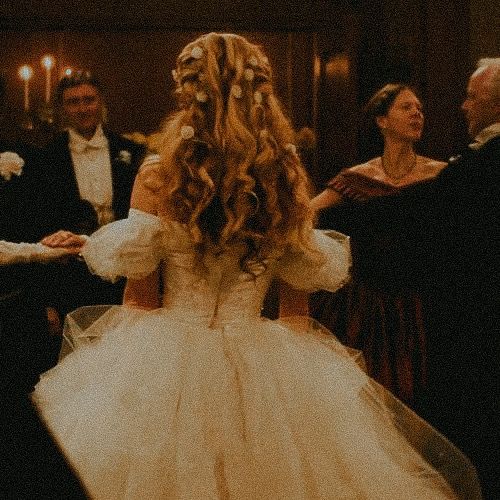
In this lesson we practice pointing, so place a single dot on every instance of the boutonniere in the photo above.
(124, 156)
(10, 164)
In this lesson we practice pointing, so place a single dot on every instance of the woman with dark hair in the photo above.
(380, 311)
(186, 392)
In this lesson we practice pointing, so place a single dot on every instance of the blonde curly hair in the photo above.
(228, 165)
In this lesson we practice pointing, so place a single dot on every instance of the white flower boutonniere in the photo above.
(10, 164)
(124, 156)
(187, 132)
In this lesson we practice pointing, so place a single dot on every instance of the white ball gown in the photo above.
(205, 399)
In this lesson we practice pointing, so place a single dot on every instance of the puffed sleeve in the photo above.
(129, 247)
(327, 267)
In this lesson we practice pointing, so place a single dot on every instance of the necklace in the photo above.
(397, 178)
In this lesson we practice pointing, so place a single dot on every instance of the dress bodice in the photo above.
(216, 294)
(213, 291)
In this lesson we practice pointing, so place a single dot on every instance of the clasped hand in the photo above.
(65, 239)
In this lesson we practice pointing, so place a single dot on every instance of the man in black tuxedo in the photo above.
(29, 456)
(91, 172)
(27, 347)
(464, 329)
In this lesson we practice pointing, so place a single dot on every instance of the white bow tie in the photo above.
(80, 144)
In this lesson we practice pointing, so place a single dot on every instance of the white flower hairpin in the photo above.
(291, 148)
(249, 74)
(197, 52)
(236, 91)
(257, 97)
(187, 132)
(253, 61)
(10, 164)
(201, 96)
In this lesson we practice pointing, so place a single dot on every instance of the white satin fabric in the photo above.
(205, 399)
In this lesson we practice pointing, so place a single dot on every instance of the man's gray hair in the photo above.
(493, 65)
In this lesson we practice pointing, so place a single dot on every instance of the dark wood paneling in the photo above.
(329, 56)
(193, 15)
(135, 69)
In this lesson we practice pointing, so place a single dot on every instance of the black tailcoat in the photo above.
(73, 284)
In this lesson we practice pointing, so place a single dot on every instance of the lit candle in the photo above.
(25, 73)
(48, 64)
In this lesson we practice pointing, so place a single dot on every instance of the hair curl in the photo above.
(230, 171)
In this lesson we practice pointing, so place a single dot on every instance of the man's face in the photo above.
(82, 107)
(480, 108)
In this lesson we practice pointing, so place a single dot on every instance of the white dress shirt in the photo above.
(92, 166)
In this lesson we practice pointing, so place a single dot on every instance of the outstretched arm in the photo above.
(144, 293)
(325, 199)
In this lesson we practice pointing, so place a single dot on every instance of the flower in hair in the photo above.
(197, 52)
(291, 148)
(249, 74)
(236, 91)
(201, 96)
(257, 97)
(253, 61)
(187, 132)
(175, 76)
(265, 59)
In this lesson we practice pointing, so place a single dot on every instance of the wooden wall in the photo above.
(329, 56)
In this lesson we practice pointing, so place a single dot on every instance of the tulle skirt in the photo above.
(388, 326)
(146, 404)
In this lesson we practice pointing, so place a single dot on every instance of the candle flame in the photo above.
(25, 72)
(48, 62)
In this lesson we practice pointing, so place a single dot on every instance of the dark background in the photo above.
(329, 56)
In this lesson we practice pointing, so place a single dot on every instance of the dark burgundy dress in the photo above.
(380, 312)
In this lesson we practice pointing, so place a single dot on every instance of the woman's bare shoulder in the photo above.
(430, 166)
(371, 168)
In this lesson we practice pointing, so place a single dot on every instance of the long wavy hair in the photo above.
(229, 167)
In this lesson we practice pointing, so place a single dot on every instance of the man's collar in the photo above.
(485, 135)
(79, 144)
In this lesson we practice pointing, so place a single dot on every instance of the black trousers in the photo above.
(26, 347)
(31, 464)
